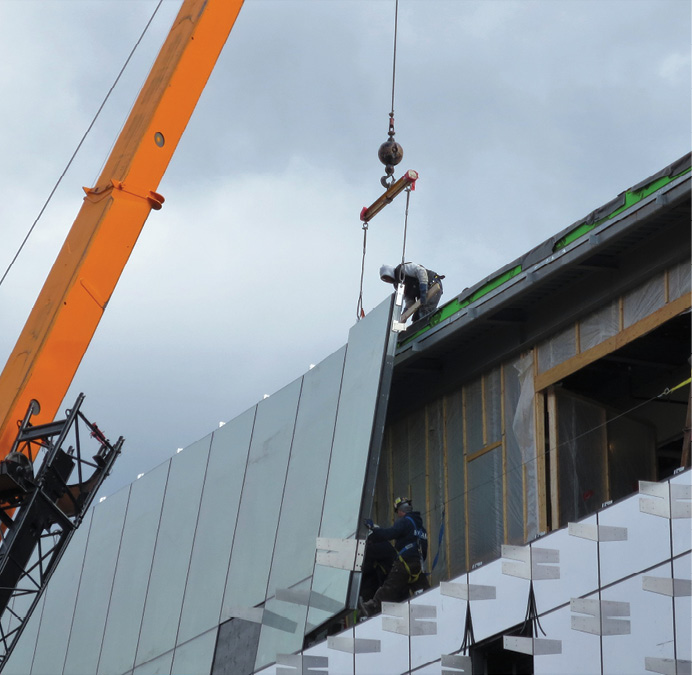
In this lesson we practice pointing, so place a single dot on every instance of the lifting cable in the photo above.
(390, 154)
(81, 142)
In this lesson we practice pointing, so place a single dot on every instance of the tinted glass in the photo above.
(215, 527)
(61, 595)
(96, 584)
(260, 502)
(301, 510)
(132, 571)
(370, 342)
(172, 555)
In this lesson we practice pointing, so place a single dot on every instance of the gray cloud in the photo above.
(521, 117)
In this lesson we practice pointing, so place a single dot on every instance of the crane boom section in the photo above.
(83, 277)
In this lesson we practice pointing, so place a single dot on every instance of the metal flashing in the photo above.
(468, 591)
(530, 268)
(535, 646)
(354, 645)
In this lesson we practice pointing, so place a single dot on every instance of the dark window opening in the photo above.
(642, 431)
(489, 657)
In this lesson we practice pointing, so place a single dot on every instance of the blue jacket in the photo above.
(409, 535)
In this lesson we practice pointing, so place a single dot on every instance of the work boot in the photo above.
(368, 608)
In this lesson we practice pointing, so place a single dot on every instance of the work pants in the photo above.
(396, 586)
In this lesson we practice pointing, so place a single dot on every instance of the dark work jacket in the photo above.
(411, 284)
(409, 535)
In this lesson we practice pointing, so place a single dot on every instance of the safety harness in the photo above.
(419, 534)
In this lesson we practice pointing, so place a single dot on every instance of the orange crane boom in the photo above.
(81, 282)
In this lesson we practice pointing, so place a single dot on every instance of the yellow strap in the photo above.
(412, 578)
(682, 384)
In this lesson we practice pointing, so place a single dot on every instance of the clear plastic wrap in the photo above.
(556, 349)
(599, 326)
(643, 300)
(679, 280)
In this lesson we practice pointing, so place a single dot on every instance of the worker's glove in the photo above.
(423, 293)
(369, 524)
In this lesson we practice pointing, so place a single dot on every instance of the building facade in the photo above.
(537, 420)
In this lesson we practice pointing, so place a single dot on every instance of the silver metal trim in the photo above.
(468, 591)
(674, 588)
(460, 663)
(353, 645)
(597, 532)
(535, 646)
(405, 619)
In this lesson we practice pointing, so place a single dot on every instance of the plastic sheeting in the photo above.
(582, 457)
(631, 455)
(643, 300)
(486, 506)
(678, 280)
(521, 436)
(599, 326)
(475, 496)
(558, 348)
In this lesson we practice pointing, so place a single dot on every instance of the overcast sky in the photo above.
(521, 116)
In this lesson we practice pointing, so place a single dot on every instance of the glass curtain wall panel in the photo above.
(96, 584)
(19, 662)
(211, 550)
(260, 501)
(195, 656)
(301, 509)
(58, 610)
(132, 572)
(357, 442)
(164, 599)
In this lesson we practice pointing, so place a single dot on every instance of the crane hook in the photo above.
(390, 154)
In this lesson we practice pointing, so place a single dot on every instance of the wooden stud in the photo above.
(553, 440)
(636, 330)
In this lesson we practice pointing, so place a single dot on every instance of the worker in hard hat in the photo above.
(411, 544)
(419, 282)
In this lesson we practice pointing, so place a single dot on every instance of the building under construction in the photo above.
(539, 421)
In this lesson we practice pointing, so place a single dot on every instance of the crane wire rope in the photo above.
(396, 28)
(402, 275)
(81, 142)
(360, 313)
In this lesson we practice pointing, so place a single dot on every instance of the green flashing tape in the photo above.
(456, 305)
(631, 198)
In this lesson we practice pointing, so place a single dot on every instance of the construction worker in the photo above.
(418, 285)
(411, 543)
(377, 563)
